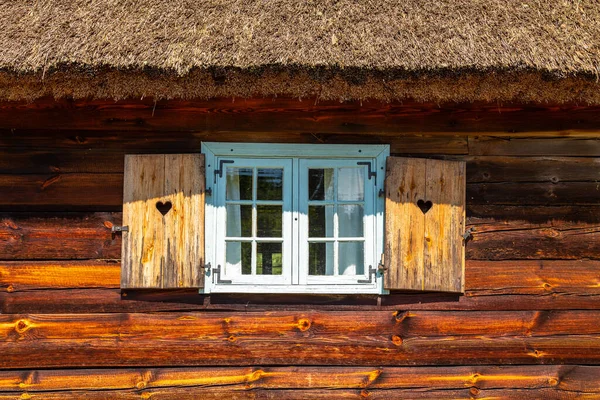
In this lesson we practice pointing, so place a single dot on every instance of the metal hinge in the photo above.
(117, 228)
(468, 234)
(372, 174)
(216, 274)
(220, 170)
(372, 273)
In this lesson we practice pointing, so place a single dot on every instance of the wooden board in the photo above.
(305, 115)
(424, 248)
(383, 338)
(560, 378)
(163, 248)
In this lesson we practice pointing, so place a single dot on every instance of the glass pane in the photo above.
(320, 258)
(320, 221)
(350, 219)
(268, 259)
(269, 184)
(239, 184)
(268, 221)
(239, 220)
(351, 258)
(320, 184)
(351, 184)
(238, 259)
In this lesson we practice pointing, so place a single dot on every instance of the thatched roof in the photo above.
(528, 50)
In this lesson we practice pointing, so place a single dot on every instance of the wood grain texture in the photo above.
(163, 249)
(444, 250)
(528, 146)
(574, 378)
(304, 115)
(303, 338)
(311, 394)
(424, 248)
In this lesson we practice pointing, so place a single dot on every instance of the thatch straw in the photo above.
(543, 50)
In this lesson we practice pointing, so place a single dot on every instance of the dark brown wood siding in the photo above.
(527, 326)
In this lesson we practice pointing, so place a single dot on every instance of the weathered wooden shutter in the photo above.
(425, 223)
(163, 209)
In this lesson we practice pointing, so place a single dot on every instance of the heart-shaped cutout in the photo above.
(164, 208)
(424, 205)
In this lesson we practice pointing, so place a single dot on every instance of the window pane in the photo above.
(238, 259)
(239, 220)
(350, 219)
(268, 259)
(320, 258)
(320, 184)
(269, 220)
(351, 258)
(320, 221)
(239, 184)
(351, 184)
(269, 184)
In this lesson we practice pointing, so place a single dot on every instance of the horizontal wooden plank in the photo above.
(316, 394)
(532, 169)
(561, 378)
(195, 393)
(500, 233)
(59, 236)
(534, 194)
(64, 190)
(307, 115)
(303, 338)
(109, 300)
(527, 146)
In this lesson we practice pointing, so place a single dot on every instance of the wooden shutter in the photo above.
(163, 209)
(424, 245)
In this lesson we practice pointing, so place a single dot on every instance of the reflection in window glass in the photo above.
(269, 184)
(320, 258)
(239, 184)
(268, 221)
(320, 221)
(320, 184)
(268, 259)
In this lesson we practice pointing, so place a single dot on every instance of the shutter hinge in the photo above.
(220, 170)
(372, 273)
(216, 274)
(117, 229)
(468, 234)
(372, 174)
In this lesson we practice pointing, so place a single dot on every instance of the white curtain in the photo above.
(234, 225)
(350, 221)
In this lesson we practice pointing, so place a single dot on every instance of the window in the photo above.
(294, 218)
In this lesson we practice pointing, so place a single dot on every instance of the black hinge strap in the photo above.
(220, 170)
(372, 174)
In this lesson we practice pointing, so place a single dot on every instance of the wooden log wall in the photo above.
(527, 326)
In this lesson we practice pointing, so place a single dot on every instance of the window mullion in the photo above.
(335, 223)
(254, 220)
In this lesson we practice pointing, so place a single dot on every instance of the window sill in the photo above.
(296, 289)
